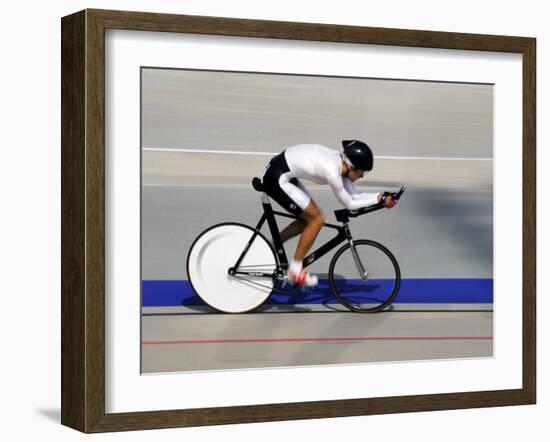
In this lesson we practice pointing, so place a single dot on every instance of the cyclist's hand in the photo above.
(388, 201)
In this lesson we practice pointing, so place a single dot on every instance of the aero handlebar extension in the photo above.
(343, 215)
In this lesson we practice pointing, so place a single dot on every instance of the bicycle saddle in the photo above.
(257, 184)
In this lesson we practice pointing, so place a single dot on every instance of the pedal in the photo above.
(282, 279)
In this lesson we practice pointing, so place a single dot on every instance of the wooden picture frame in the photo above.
(83, 220)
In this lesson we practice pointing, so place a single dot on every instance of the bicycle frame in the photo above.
(343, 235)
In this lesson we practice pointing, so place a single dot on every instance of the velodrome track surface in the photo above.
(437, 235)
(177, 342)
(206, 134)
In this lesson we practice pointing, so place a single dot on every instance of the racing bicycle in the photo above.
(233, 267)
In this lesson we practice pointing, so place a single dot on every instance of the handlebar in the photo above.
(343, 215)
(397, 195)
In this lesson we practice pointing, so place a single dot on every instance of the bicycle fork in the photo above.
(363, 274)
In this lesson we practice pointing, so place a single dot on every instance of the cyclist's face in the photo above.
(355, 174)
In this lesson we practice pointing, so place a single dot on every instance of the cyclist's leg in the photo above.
(293, 197)
(314, 220)
(296, 227)
(311, 217)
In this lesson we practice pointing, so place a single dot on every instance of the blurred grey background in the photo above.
(206, 134)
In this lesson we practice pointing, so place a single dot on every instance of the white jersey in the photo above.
(321, 165)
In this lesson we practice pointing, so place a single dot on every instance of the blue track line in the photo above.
(414, 291)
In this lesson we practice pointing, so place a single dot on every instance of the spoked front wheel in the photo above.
(366, 277)
(215, 251)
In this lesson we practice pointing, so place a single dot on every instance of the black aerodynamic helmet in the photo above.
(358, 154)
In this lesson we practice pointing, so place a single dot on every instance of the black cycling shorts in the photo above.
(274, 176)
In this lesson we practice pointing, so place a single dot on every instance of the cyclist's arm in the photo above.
(337, 185)
(355, 194)
(351, 189)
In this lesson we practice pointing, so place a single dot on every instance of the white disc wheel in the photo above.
(214, 252)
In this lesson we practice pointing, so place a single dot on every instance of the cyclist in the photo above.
(321, 165)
